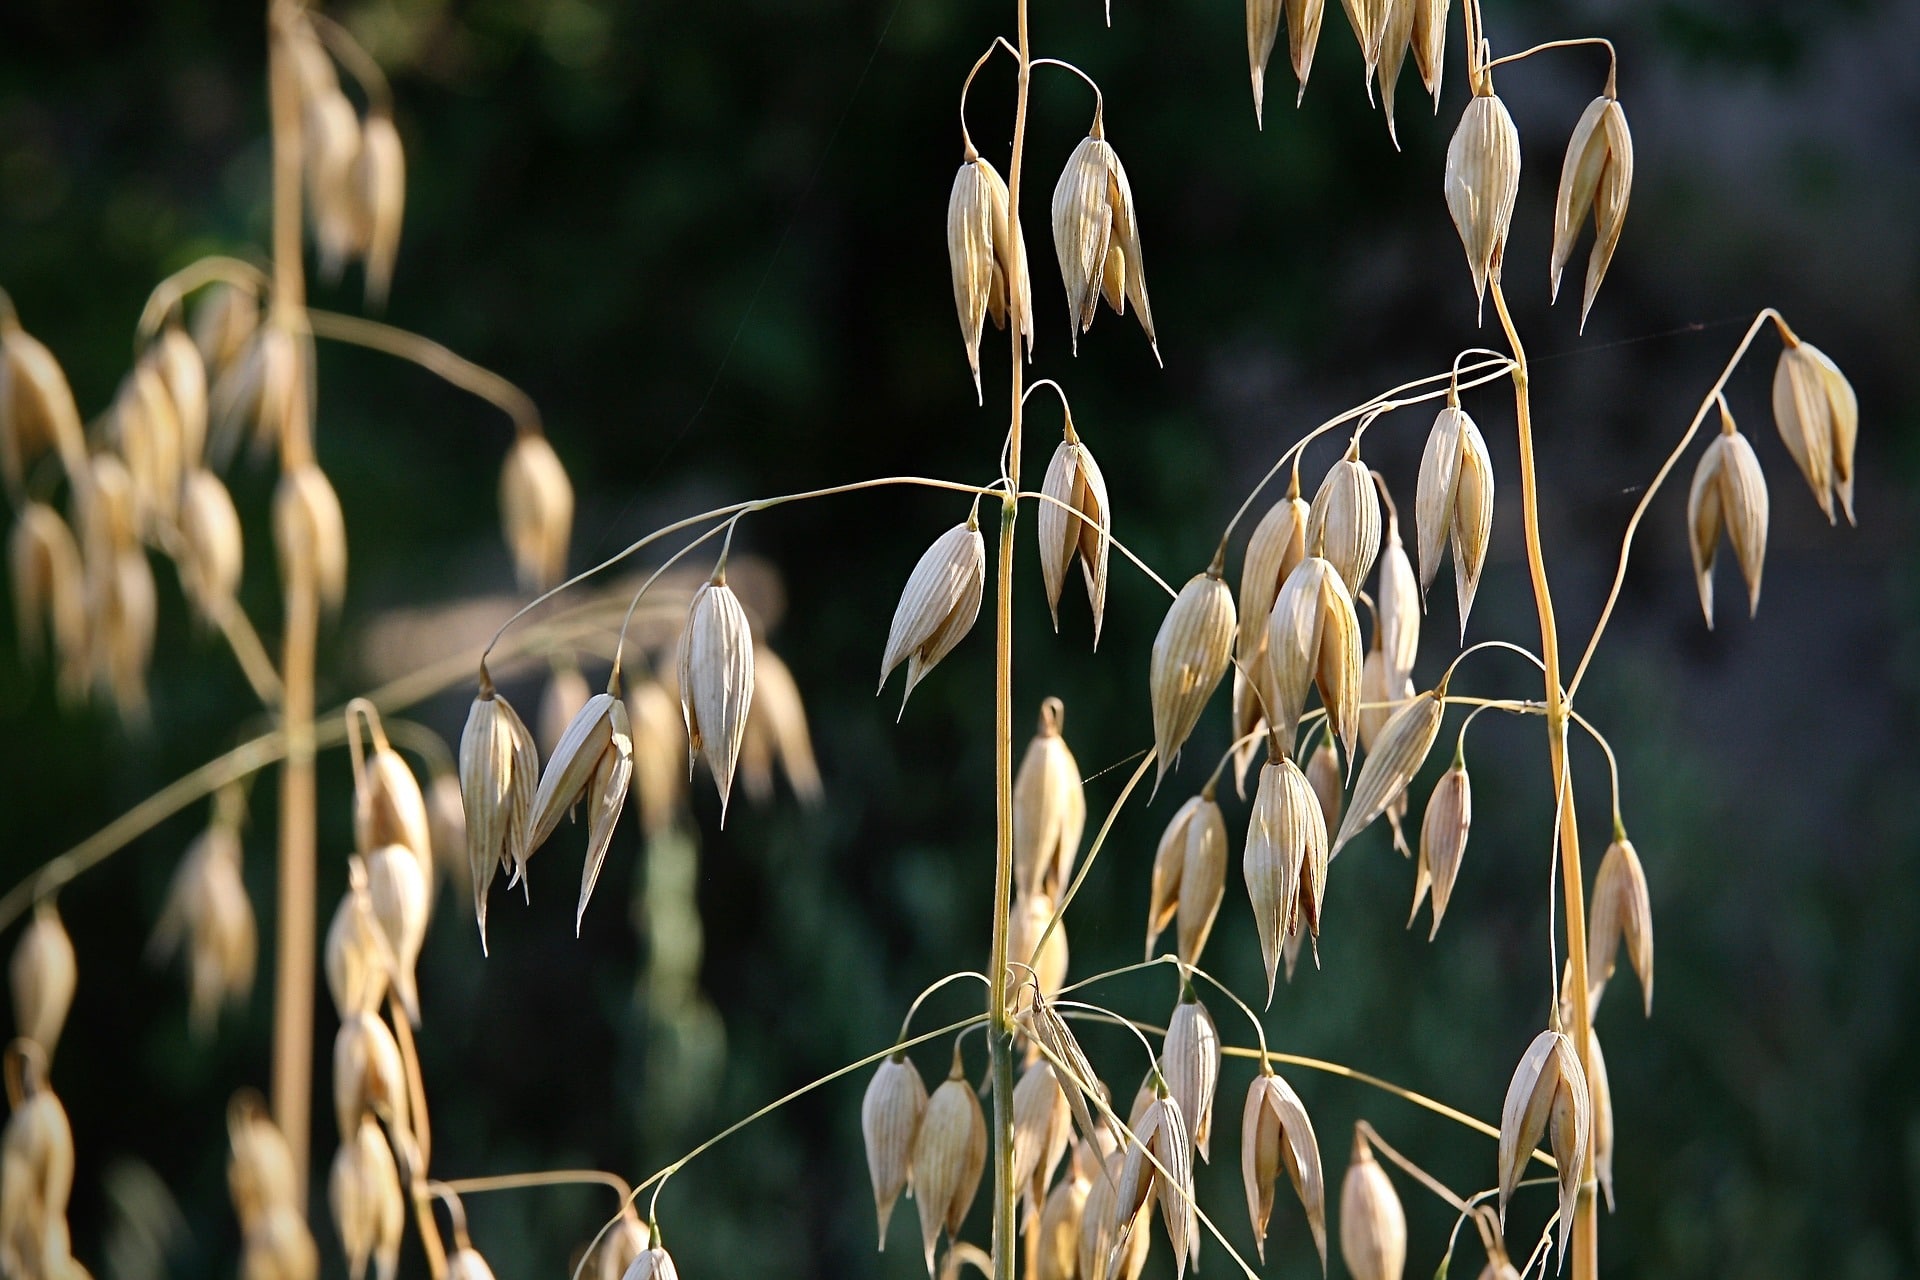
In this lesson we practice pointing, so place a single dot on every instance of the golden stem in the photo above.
(422, 1140)
(435, 359)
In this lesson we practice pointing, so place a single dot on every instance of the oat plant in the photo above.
(1082, 1169)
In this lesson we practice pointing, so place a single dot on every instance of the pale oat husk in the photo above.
(1164, 1134)
(357, 956)
(278, 1246)
(566, 692)
(1323, 775)
(212, 544)
(499, 770)
(1190, 655)
(1368, 18)
(1547, 1096)
(1263, 28)
(124, 612)
(378, 183)
(619, 1248)
(1600, 1095)
(1070, 1065)
(1373, 1226)
(889, 1119)
(447, 828)
(989, 268)
(368, 1078)
(1343, 524)
(1097, 237)
(1276, 1133)
(1060, 1222)
(1443, 840)
(1429, 42)
(1313, 638)
(270, 391)
(1622, 911)
(109, 522)
(398, 890)
(536, 511)
(592, 764)
(332, 148)
(1398, 609)
(1049, 808)
(777, 733)
(1189, 877)
(1729, 495)
(1074, 522)
(388, 808)
(37, 409)
(1042, 1130)
(1454, 504)
(310, 534)
(145, 429)
(207, 910)
(949, 1155)
(1396, 36)
(659, 745)
(1190, 1061)
(1275, 549)
(223, 323)
(36, 1164)
(49, 594)
(1596, 176)
(1047, 960)
(44, 974)
(1285, 859)
(716, 680)
(184, 375)
(1499, 1268)
(260, 1172)
(368, 1207)
(1396, 756)
(1303, 33)
(1113, 1245)
(1482, 179)
(1819, 419)
(465, 1263)
(938, 606)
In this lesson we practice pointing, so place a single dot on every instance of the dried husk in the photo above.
(618, 1249)
(260, 1172)
(1189, 877)
(1313, 639)
(1443, 839)
(1548, 1091)
(207, 910)
(949, 1155)
(1049, 808)
(1190, 1061)
(594, 764)
(1285, 859)
(1047, 960)
(212, 545)
(184, 375)
(1323, 775)
(1429, 43)
(1729, 495)
(36, 1166)
(989, 268)
(1454, 504)
(310, 534)
(388, 808)
(1398, 609)
(368, 1207)
(1368, 18)
(223, 323)
(1373, 1226)
(1343, 525)
(1275, 1133)
(1060, 1223)
(1113, 1243)
(1622, 912)
(331, 148)
(37, 409)
(1069, 1062)
(1097, 237)
(279, 1246)
(889, 1119)
(536, 511)
(1190, 655)
(566, 692)
(777, 734)
(1303, 33)
(144, 427)
(1482, 179)
(465, 1263)
(659, 745)
(716, 681)
(379, 188)
(1158, 1166)
(1074, 522)
(368, 1078)
(358, 958)
(398, 890)
(44, 973)
(499, 770)
(1596, 176)
(1819, 419)
(1263, 28)
(1395, 38)
(1398, 754)
(1600, 1096)
(50, 594)
(938, 606)
(1042, 1130)
(1275, 549)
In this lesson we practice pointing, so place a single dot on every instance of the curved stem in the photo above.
(1613, 767)
(1613, 57)
(966, 138)
(170, 292)
(436, 1251)
(1093, 851)
(359, 63)
(436, 359)
(1099, 99)
(1112, 541)
(535, 1178)
(929, 990)
(1414, 1171)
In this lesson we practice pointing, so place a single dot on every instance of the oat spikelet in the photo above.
(184, 375)
(260, 1173)
(1026, 925)
(1113, 1242)
(1453, 504)
(1396, 35)
(716, 680)
(938, 605)
(889, 1119)
(49, 593)
(1097, 237)
(949, 1155)
(593, 763)
(1303, 33)
(1060, 1222)
(990, 276)
(1162, 1132)
(619, 1248)
(145, 428)
(465, 1263)
(1596, 176)
(499, 770)
(1190, 1061)
(1373, 1226)
(44, 975)
(36, 1166)
(1482, 179)
(659, 745)
(207, 910)
(212, 544)
(1190, 654)
(398, 889)
(1313, 638)
(1049, 808)
(1429, 42)
(1398, 612)
(1189, 876)
(1547, 1096)
(310, 533)
(1323, 775)
(1729, 495)
(1275, 549)
(1343, 525)
(1263, 28)
(1285, 859)
(1075, 1073)
(777, 733)
(37, 409)
(1276, 1133)
(1443, 839)
(223, 323)
(379, 187)
(358, 958)
(368, 1078)
(1622, 912)
(368, 1207)
(1819, 419)
(1042, 1130)
(536, 511)
(1398, 754)
(1074, 522)
(566, 692)
(1368, 18)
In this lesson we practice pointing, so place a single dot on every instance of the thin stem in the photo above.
(359, 63)
(436, 359)
(929, 990)
(1524, 652)
(530, 1180)
(966, 138)
(1646, 498)
(1613, 767)
(1093, 852)
(620, 644)
(1413, 1170)
(422, 1139)
(170, 292)
(1613, 57)
(1099, 99)
(1112, 541)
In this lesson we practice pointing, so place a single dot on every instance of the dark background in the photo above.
(708, 240)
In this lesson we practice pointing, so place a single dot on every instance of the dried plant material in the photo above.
(43, 974)
(1397, 611)
(1729, 496)
(938, 605)
(388, 807)
(1190, 655)
(447, 828)
(1343, 524)
(1368, 18)
(1190, 1061)
(368, 1207)
(279, 1246)
(1276, 1133)
(398, 889)
(949, 1155)
(145, 429)
(536, 512)
(777, 733)
(1454, 504)
(1313, 639)
(1097, 236)
(1323, 775)
(223, 323)
(1275, 549)
(618, 1249)
(331, 150)
(716, 680)
(124, 612)
(1597, 175)
(208, 913)
(465, 1263)
(566, 692)
(1113, 1243)
(1443, 839)
(1398, 754)
(358, 958)
(310, 533)
(499, 770)
(36, 1166)
(1074, 522)
(1429, 43)
(1189, 876)
(1029, 958)
(989, 266)
(378, 183)
(1285, 859)
(1482, 179)
(260, 1172)
(270, 391)
(1042, 1129)
(1547, 1097)
(889, 1119)
(1396, 34)
(1819, 419)
(212, 546)
(1263, 28)
(1063, 1052)
(1303, 33)
(49, 594)
(1499, 1268)
(1049, 808)
(594, 764)
(183, 374)
(1622, 911)
(37, 411)
(659, 745)
(1373, 1226)
(368, 1078)
(1159, 1167)
(1060, 1224)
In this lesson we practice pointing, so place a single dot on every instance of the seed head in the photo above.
(212, 544)
(268, 391)
(1026, 925)
(1454, 503)
(1278, 545)
(1443, 839)
(44, 975)
(223, 324)
(1042, 1129)
(183, 374)
(49, 593)
(889, 1118)
(938, 606)
(369, 1209)
(1343, 525)
(1275, 1132)
(310, 533)
(949, 1155)
(1597, 175)
(1113, 1242)
(499, 770)
(1097, 237)
(1263, 28)
(378, 183)
(1323, 775)
(1313, 638)
(1368, 18)
(1070, 1066)
(1373, 1226)
(593, 763)
(1622, 911)
(1398, 754)
(465, 1263)
(1429, 42)
(37, 410)
(1060, 1222)
(279, 1246)
(989, 267)
(368, 1078)
(1163, 1134)
(1729, 495)
(1482, 179)
(536, 511)
(659, 745)
(1548, 1088)
(652, 1264)
(1399, 609)
(398, 889)
(389, 809)
(145, 428)
(1819, 419)
(1074, 521)
(359, 959)
(1190, 655)
(260, 1173)
(1189, 877)
(716, 680)
(207, 910)
(1396, 34)
(1049, 808)
(1190, 1061)
(1285, 860)
(619, 1248)
(777, 733)
(36, 1152)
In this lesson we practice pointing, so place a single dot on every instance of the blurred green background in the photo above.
(708, 239)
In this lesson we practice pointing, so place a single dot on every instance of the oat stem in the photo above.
(435, 359)
(172, 291)
(422, 1138)
(1093, 851)
(358, 62)
(1613, 57)
(1112, 541)
(535, 1178)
